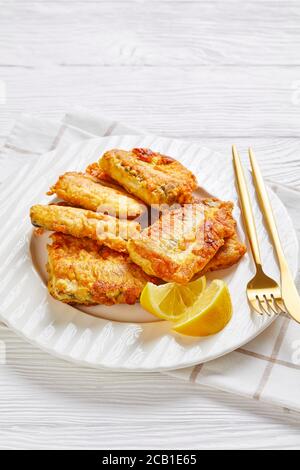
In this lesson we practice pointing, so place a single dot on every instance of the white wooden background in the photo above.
(213, 71)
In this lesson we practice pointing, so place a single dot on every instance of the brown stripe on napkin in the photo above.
(279, 362)
(271, 361)
(110, 129)
(20, 150)
(58, 137)
(195, 372)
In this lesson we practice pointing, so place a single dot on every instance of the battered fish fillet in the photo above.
(94, 170)
(105, 229)
(222, 210)
(82, 272)
(228, 255)
(182, 241)
(232, 250)
(150, 176)
(82, 190)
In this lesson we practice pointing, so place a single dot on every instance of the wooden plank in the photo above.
(46, 402)
(194, 102)
(147, 33)
(133, 2)
(266, 433)
(279, 158)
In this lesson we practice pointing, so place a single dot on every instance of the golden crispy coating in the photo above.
(82, 190)
(182, 241)
(94, 170)
(152, 177)
(232, 250)
(105, 229)
(222, 211)
(82, 272)
(228, 255)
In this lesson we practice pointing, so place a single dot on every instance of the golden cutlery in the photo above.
(264, 294)
(288, 289)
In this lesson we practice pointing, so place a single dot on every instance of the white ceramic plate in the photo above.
(125, 337)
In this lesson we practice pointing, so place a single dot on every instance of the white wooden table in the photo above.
(216, 72)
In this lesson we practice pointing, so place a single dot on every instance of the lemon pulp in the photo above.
(209, 314)
(170, 301)
(195, 309)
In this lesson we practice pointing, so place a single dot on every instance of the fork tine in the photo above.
(267, 305)
(265, 310)
(270, 303)
(256, 306)
(277, 303)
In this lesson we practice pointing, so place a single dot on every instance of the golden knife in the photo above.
(289, 292)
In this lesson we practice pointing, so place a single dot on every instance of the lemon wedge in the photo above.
(171, 301)
(209, 314)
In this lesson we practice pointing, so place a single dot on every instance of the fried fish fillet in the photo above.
(94, 170)
(222, 210)
(182, 241)
(105, 229)
(82, 272)
(82, 190)
(232, 250)
(150, 176)
(228, 255)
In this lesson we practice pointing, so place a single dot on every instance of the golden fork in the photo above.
(264, 294)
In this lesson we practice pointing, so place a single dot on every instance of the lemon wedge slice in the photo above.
(171, 301)
(209, 314)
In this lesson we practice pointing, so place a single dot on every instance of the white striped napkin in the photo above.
(268, 368)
